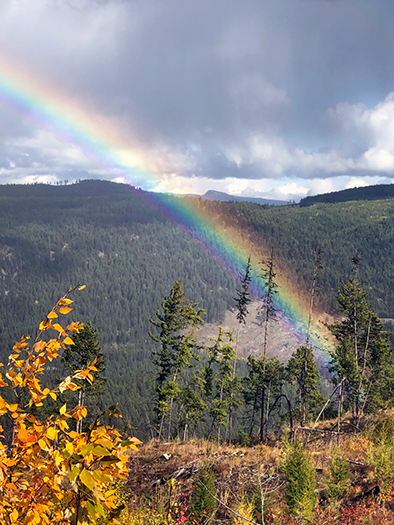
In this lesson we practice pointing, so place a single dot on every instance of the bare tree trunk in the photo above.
(303, 390)
(363, 374)
(230, 409)
(339, 410)
(171, 407)
(316, 271)
(253, 414)
(81, 400)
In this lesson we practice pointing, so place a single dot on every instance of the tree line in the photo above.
(196, 383)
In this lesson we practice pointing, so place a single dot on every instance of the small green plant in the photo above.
(300, 491)
(382, 457)
(245, 508)
(202, 502)
(383, 433)
(244, 439)
(338, 483)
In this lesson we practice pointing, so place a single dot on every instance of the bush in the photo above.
(202, 502)
(49, 473)
(339, 481)
(300, 491)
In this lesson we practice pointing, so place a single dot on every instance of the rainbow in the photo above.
(102, 144)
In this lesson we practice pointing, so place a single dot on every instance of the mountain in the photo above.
(213, 195)
(379, 191)
(117, 241)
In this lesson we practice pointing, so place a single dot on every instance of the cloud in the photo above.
(229, 94)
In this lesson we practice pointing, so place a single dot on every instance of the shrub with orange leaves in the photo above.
(48, 472)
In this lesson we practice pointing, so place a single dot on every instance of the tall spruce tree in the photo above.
(302, 366)
(362, 357)
(242, 302)
(269, 311)
(177, 322)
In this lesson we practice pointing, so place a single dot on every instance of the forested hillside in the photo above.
(379, 191)
(112, 238)
(341, 229)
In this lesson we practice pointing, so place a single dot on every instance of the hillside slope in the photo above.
(114, 239)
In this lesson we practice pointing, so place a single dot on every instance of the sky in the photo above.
(261, 98)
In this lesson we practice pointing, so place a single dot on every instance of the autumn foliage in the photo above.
(48, 472)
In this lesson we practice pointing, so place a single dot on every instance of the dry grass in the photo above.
(236, 471)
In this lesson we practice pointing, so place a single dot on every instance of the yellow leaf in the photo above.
(51, 433)
(24, 436)
(100, 476)
(82, 287)
(65, 310)
(42, 444)
(86, 478)
(12, 407)
(74, 473)
(63, 409)
(62, 424)
(52, 315)
(57, 327)
(53, 395)
(44, 325)
(14, 516)
(75, 327)
(68, 341)
(65, 301)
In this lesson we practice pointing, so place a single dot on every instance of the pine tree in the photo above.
(218, 380)
(362, 358)
(268, 308)
(243, 298)
(177, 323)
(300, 492)
(83, 352)
(264, 375)
(302, 370)
(242, 301)
(268, 275)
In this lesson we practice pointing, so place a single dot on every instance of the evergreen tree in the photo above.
(219, 381)
(203, 505)
(268, 309)
(264, 375)
(84, 351)
(318, 268)
(243, 298)
(192, 408)
(362, 358)
(242, 301)
(300, 492)
(268, 275)
(302, 370)
(177, 323)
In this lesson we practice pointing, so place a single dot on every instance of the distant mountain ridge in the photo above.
(379, 191)
(213, 195)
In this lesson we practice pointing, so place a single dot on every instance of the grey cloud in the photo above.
(173, 70)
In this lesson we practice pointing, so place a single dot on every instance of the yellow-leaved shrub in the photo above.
(48, 472)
